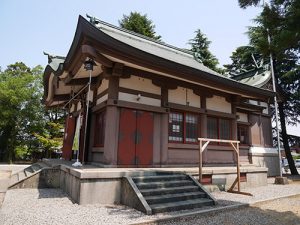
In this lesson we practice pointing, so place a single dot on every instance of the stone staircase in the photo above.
(172, 192)
(24, 174)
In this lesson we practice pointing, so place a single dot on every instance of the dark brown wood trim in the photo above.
(203, 101)
(117, 69)
(183, 146)
(81, 81)
(132, 105)
(99, 107)
(62, 97)
(266, 115)
(101, 94)
(243, 123)
(164, 96)
(97, 149)
(136, 92)
(220, 114)
(185, 108)
(113, 87)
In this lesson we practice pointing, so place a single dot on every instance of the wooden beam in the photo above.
(81, 81)
(62, 97)
(89, 51)
(117, 69)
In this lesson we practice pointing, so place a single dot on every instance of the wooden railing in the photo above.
(204, 142)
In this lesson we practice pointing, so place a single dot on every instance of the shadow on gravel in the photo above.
(125, 211)
(278, 212)
(52, 193)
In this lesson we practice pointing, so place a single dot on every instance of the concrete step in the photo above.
(157, 178)
(170, 190)
(164, 184)
(21, 175)
(181, 205)
(35, 167)
(13, 179)
(156, 199)
(28, 171)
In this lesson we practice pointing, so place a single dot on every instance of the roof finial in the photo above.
(50, 57)
(93, 20)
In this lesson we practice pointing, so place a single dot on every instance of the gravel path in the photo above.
(52, 206)
(279, 212)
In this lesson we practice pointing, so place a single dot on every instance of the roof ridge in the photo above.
(94, 21)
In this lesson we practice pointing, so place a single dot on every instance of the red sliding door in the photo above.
(135, 138)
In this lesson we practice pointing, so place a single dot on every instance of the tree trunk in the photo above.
(285, 140)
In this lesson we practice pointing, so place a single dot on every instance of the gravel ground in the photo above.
(279, 212)
(52, 206)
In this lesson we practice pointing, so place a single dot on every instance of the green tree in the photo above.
(279, 21)
(242, 60)
(200, 47)
(23, 116)
(17, 97)
(139, 24)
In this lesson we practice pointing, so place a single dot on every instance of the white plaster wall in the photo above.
(79, 106)
(140, 84)
(266, 110)
(143, 100)
(262, 150)
(72, 108)
(243, 117)
(253, 102)
(177, 96)
(103, 86)
(193, 99)
(102, 99)
(218, 103)
(62, 88)
(184, 96)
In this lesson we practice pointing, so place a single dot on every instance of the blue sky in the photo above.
(30, 27)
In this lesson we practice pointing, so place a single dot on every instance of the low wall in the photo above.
(266, 157)
(46, 178)
(106, 186)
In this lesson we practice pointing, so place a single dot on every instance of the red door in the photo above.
(126, 150)
(135, 138)
(68, 138)
(144, 138)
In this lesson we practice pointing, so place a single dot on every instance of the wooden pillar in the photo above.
(112, 116)
(238, 166)
(200, 162)
(164, 139)
(203, 126)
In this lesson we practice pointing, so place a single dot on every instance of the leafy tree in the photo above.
(139, 24)
(242, 60)
(17, 95)
(280, 22)
(23, 117)
(245, 3)
(200, 47)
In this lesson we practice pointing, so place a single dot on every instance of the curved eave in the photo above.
(47, 73)
(87, 33)
(257, 80)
